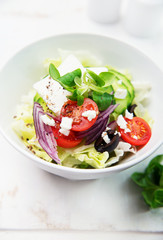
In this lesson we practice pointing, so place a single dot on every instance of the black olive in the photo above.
(132, 108)
(102, 146)
(112, 145)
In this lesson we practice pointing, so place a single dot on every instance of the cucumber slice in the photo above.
(123, 103)
(125, 81)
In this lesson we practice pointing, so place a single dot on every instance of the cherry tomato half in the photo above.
(140, 131)
(69, 141)
(72, 110)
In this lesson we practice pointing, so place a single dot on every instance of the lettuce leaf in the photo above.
(83, 156)
(92, 157)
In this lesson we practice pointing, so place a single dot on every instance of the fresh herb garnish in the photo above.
(103, 100)
(67, 80)
(99, 81)
(53, 71)
(151, 181)
(97, 87)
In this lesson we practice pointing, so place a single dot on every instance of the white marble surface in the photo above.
(31, 198)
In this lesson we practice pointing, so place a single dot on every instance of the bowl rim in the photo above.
(114, 168)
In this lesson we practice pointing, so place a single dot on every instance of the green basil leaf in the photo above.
(139, 179)
(76, 97)
(100, 82)
(148, 195)
(158, 198)
(68, 78)
(73, 97)
(154, 171)
(95, 88)
(107, 77)
(80, 100)
(103, 100)
(153, 197)
(152, 182)
(53, 71)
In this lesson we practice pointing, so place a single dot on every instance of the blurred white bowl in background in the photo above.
(104, 11)
(143, 18)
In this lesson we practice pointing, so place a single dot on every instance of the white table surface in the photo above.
(32, 199)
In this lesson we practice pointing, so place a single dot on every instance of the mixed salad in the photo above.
(83, 116)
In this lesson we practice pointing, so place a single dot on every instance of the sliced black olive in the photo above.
(132, 108)
(112, 145)
(102, 146)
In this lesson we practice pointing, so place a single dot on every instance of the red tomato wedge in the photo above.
(140, 131)
(69, 141)
(72, 110)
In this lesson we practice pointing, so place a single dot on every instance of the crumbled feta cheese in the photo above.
(70, 64)
(90, 114)
(126, 130)
(135, 137)
(52, 93)
(108, 128)
(64, 131)
(126, 147)
(128, 114)
(66, 123)
(119, 81)
(120, 93)
(121, 122)
(47, 120)
(105, 137)
(116, 132)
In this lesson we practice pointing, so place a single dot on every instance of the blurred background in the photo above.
(138, 22)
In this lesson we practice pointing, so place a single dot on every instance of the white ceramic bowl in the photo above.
(26, 67)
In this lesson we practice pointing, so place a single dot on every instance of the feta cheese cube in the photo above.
(121, 122)
(70, 64)
(64, 131)
(126, 130)
(47, 120)
(66, 123)
(52, 93)
(105, 137)
(90, 114)
(125, 147)
(128, 114)
(135, 137)
(120, 93)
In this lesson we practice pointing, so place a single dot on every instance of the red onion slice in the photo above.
(44, 133)
(99, 126)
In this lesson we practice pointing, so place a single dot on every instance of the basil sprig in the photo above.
(67, 80)
(97, 87)
(103, 100)
(151, 181)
